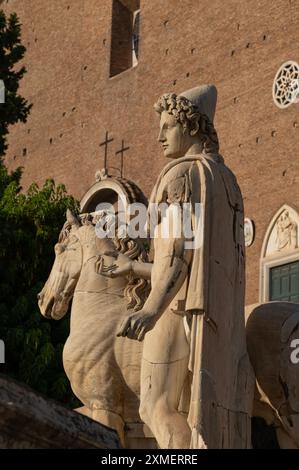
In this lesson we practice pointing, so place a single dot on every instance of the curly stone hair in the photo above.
(188, 115)
(137, 289)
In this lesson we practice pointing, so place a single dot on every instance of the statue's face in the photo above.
(174, 142)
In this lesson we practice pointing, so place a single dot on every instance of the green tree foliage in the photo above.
(29, 228)
(16, 108)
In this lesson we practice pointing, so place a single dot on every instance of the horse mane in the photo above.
(137, 290)
(64, 233)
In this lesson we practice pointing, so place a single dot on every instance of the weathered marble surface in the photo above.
(30, 421)
(196, 388)
(104, 371)
(271, 328)
(191, 371)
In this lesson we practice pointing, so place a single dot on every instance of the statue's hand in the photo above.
(137, 325)
(121, 267)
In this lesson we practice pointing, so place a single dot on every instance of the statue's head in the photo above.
(187, 119)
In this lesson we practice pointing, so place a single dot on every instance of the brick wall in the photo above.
(237, 45)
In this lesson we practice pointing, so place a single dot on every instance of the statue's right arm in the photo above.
(119, 265)
(142, 270)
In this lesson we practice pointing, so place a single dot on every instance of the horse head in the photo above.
(58, 291)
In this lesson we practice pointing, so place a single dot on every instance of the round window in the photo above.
(286, 85)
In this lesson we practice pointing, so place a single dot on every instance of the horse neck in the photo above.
(93, 246)
(90, 282)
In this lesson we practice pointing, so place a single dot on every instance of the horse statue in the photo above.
(103, 370)
(272, 333)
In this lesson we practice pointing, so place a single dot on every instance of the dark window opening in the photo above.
(124, 35)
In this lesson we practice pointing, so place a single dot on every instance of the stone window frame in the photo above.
(122, 53)
(99, 187)
(278, 259)
(135, 58)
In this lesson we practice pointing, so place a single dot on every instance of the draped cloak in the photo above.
(212, 301)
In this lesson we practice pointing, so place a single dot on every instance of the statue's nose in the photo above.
(39, 296)
(161, 137)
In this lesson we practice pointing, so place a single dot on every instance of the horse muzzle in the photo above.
(53, 307)
(45, 304)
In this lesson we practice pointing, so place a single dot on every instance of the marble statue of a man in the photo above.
(195, 375)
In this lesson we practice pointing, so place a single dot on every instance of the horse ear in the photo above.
(72, 219)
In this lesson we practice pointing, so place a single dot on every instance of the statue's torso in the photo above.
(168, 342)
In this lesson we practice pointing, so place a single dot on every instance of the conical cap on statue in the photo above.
(204, 97)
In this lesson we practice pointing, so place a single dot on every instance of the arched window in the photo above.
(124, 35)
(280, 258)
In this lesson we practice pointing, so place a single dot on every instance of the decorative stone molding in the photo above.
(101, 175)
(249, 231)
(280, 245)
(282, 234)
(286, 85)
(111, 189)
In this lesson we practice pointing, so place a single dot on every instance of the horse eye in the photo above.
(72, 240)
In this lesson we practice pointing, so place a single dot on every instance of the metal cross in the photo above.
(121, 152)
(106, 142)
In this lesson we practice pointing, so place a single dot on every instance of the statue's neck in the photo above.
(195, 149)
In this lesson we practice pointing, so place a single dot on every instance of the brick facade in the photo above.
(237, 45)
